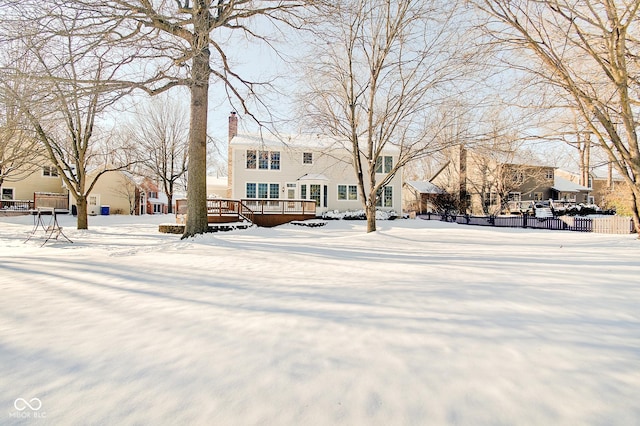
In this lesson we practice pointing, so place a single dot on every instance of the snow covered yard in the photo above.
(421, 323)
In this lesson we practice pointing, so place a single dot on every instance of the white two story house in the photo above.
(307, 167)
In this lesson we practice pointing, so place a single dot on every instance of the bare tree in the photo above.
(485, 178)
(502, 170)
(217, 158)
(166, 44)
(379, 78)
(128, 190)
(20, 153)
(587, 51)
(160, 136)
(185, 43)
(61, 92)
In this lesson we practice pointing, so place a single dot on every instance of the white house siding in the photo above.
(331, 167)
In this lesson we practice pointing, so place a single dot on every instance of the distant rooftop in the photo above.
(424, 187)
(564, 185)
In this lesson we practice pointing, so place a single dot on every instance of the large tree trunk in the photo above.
(81, 204)
(635, 208)
(170, 202)
(371, 216)
(197, 174)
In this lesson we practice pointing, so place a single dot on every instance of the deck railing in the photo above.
(248, 208)
(16, 205)
(280, 206)
(226, 207)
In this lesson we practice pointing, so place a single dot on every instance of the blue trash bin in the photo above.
(104, 210)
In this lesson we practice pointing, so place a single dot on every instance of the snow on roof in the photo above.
(217, 181)
(161, 199)
(565, 185)
(424, 187)
(314, 141)
(602, 172)
(301, 140)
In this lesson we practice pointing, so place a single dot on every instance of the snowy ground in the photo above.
(421, 323)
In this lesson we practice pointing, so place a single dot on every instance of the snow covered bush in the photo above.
(358, 215)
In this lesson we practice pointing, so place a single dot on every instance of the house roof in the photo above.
(564, 185)
(217, 181)
(312, 141)
(161, 199)
(424, 187)
(602, 172)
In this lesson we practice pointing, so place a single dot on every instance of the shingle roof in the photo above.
(565, 185)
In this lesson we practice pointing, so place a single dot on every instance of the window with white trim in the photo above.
(251, 159)
(263, 159)
(315, 193)
(262, 190)
(7, 193)
(384, 164)
(347, 192)
(250, 190)
(50, 171)
(385, 197)
(307, 158)
(275, 160)
(274, 190)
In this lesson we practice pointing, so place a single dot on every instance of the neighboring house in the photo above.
(115, 192)
(307, 167)
(612, 192)
(151, 199)
(44, 179)
(419, 196)
(566, 190)
(485, 185)
(120, 192)
(217, 187)
(607, 190)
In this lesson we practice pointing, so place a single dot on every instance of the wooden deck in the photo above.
(262, 212)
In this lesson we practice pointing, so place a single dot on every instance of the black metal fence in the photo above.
(604, 225)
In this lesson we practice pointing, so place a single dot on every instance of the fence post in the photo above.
(524, 220)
